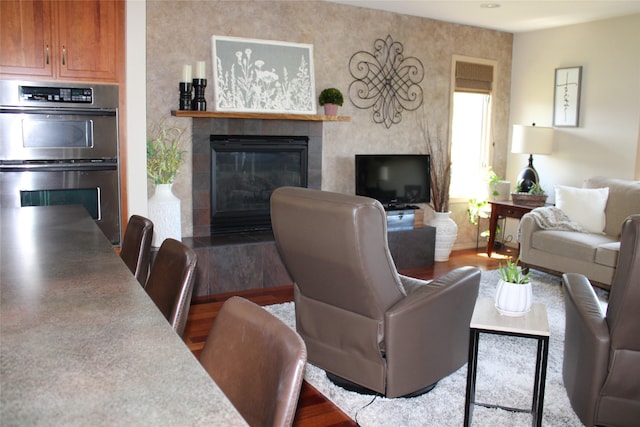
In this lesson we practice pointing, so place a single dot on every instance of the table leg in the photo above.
(540, 380)
(472, 365)
(493, 223)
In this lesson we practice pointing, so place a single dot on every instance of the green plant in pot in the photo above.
(513, 273)
(513, 293)
(164, 154)
(535, 197)
(331, 98)
(164, 158)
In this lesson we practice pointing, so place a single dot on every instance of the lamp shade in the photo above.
(532, 139)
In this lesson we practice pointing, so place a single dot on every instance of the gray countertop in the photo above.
(81, 343)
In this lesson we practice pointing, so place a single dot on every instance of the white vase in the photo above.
(164, 211)
(446, 233)
(503, 188)
(513, 299)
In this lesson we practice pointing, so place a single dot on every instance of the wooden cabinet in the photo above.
(26, 38)
(62, 40)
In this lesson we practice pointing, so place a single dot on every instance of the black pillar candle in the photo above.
(199, 103)
(185, 96)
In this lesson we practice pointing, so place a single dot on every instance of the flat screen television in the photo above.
(396, 180)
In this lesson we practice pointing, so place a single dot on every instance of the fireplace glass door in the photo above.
(244, 173)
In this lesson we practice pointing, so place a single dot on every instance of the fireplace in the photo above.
(259, 133)
(244, 172)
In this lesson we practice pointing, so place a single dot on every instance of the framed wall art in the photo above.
(566, 98)
(263, 76)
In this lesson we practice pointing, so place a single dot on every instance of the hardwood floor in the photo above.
(313, 408)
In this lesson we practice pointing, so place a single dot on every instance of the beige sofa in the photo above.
(591, 254)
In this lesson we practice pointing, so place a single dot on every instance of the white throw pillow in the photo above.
(584, 206)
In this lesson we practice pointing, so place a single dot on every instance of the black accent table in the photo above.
(534, 324)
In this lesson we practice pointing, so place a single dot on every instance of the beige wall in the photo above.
(606, 141)
(179, 32)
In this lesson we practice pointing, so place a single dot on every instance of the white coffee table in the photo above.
(534, 324)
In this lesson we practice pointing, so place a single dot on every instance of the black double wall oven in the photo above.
(59, 146)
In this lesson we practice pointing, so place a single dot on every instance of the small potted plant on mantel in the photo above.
(513, 293)
(331, 99)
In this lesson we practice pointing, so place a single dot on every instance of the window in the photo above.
(470, 129)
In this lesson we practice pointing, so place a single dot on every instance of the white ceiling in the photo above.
(513, 16)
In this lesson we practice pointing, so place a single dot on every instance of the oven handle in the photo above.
(60, 111)
(57, 167)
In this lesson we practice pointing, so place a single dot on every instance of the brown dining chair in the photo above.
(170, 282)
(136, 246)
(257, 361)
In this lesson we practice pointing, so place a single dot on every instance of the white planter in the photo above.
(513, 299)
(330, 109)
(503, 188)
(446, 234)
(164, 211)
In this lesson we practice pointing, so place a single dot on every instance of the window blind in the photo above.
(470, 77)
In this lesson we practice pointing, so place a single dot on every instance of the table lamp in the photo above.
(530, 140)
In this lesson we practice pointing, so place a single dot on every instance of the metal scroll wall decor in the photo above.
(386, 81)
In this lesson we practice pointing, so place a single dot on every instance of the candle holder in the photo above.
(185, 96)
(199, 103)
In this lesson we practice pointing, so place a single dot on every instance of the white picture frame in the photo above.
(566, 97)
(263, 76)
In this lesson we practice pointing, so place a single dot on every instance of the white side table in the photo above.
(534, 324)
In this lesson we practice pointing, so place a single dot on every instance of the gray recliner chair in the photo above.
(362, 322)
(601, 367)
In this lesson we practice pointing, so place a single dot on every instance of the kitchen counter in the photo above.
(81, 343)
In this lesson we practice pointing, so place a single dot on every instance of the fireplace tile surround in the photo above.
(240, 261)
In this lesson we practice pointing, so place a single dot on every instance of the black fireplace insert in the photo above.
(244, 172)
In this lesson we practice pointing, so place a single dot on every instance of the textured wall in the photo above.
(179, 32)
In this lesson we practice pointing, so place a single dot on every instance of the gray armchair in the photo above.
(601, 367)
(369, 327)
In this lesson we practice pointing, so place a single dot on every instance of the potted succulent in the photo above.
(164, 158)
(331, 99)
(513, 293)
(535, 197)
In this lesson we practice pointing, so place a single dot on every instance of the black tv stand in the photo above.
(413, 248)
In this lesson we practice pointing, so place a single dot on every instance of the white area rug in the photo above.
(505, 376)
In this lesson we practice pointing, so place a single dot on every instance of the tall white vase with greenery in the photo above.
(164, 158)
(164, 211)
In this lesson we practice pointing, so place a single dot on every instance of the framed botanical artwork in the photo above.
(263, 76)
(566, 98)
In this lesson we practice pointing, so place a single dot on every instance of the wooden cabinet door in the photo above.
(90, 38)
(26, 44)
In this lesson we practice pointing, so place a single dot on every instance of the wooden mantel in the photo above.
(260, 116)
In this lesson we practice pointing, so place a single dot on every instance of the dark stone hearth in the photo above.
(236, 262)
